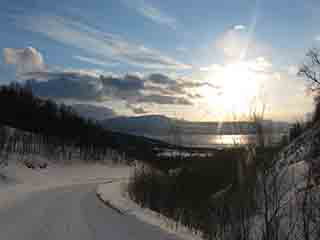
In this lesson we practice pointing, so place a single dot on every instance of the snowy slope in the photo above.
(293, 193)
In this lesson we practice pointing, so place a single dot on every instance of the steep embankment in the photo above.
(300, 159)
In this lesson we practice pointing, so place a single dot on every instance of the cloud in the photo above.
(239, 27)
(67, 86)
(160, 78)
(196, 95)
(25, 59)
(95, 86)
(259, 65)
(286, 96)
(96, 61)
(151, 12)
(293, 70)
(279, 88)
(139, 110)
(127, 83)
(238, 42)
(164, 100)
(98, 43)
(69, 74)
(182, 82)
(135, 109)
(137, 89)
(233, 43)
(182, 49)
(165, 85)
(80, 85)
(211, 68)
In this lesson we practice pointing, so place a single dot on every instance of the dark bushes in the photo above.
(186, 192)
(296, 130)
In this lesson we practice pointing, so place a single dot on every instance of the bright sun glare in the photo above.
(237, 87)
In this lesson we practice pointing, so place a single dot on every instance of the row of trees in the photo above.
(43, 124)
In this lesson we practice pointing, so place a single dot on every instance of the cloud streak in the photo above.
(98, 43)
(96, 61)
(152, 13)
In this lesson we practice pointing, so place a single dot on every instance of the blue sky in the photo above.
(191, 43)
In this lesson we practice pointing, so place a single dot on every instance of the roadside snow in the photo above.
(18, 181)
(115, 195)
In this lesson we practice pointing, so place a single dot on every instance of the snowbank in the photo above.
(115, 196)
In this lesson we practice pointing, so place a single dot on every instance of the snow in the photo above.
(291, 169)
(115, 194)
(300, 148)
(18, 181)
(58, 203)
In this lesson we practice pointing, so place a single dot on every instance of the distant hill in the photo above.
(157, 125)
(142, 125)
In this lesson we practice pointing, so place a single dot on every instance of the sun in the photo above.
(236, 86)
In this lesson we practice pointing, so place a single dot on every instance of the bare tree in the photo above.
(3, 145)
(310, 69)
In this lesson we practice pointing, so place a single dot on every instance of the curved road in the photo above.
(71, 213)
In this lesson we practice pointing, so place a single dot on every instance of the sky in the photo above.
(197, 60)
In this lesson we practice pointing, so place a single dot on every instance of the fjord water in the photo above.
(213, 140)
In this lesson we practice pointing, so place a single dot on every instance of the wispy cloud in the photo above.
(239, 27)
(182, 49)
(152, 13)
(95, 61)
(98, 43)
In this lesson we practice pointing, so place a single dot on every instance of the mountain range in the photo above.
(157, 125)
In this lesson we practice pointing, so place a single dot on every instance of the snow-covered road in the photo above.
(71, 213)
